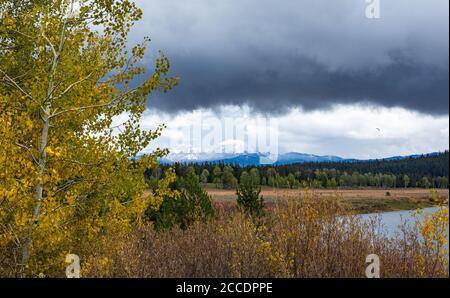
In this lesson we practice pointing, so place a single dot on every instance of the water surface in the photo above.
(392, 220)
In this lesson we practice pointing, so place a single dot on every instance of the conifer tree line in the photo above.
(428, 171)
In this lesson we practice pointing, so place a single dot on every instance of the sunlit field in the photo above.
(359, 200)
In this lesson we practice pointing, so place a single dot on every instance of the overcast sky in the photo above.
(353, 86)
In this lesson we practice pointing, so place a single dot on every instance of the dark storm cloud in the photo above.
(308, 83)
(311, 54)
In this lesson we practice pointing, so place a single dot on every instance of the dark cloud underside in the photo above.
(307, 83)
(312, 54)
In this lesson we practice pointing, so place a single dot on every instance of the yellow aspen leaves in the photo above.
(58, 92)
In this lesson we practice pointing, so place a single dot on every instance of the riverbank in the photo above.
(308, 238)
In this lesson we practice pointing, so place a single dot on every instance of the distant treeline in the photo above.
(427, 171)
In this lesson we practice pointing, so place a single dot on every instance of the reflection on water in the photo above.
(392, 220)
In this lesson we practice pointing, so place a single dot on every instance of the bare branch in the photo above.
(55, 54)
(15, 84)
(22, 75)
(79, 162)
(24, 34)
(8, 229)
(77, 109)
(75, 84)
(29, 151)
(80, 109)
(56, 209)
(68, 184)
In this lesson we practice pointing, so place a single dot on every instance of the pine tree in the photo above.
(204, 177)
(249, 199)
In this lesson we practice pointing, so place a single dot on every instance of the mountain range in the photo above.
(255, 159)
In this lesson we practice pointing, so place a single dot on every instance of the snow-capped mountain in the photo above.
(254, 159)
(246, 159)
(294, 157)
(196, 157)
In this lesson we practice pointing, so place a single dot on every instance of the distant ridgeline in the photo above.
(426, 171)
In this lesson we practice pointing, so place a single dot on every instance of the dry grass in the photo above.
(308, 237)
(360, 200)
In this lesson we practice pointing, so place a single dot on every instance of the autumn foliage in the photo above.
(70, 183)
(303, 237)
(66, 173)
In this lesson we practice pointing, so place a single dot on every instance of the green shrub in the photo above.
(194, 204)
(249, 199)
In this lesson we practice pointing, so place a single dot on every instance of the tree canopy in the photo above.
(66, 174)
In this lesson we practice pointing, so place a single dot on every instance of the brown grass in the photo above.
(360, 200)
(308, 237)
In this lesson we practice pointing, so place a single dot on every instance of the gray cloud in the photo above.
(275, 55)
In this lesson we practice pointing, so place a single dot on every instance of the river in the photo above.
(392, 220)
